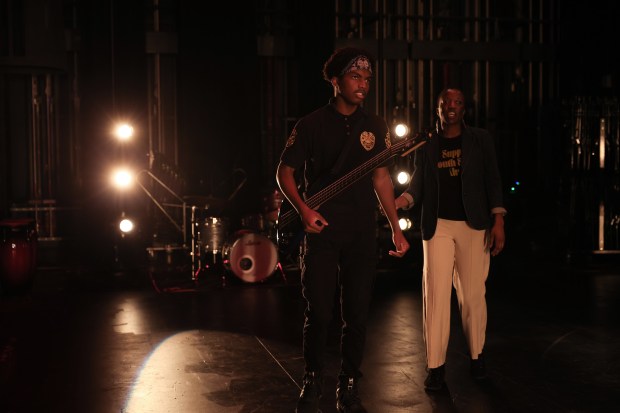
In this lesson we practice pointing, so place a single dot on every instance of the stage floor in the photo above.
(88, 340)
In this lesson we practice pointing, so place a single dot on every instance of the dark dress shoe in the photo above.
(310, 393)
(435, 379)
(347, 396)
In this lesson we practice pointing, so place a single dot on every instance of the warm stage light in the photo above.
(123, 131)
(122, 178)
(403, 177)
(404, 224)
(401, 130)
(126, 225)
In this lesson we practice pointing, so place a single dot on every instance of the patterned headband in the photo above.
(360, 62)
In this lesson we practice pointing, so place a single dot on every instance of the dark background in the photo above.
(229, 100)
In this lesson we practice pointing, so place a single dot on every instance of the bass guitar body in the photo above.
(290, 232)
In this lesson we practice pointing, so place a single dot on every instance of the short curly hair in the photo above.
(339, 60)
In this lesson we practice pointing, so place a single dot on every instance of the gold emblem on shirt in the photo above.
(291, 139)
(388, 140)
(367, 140)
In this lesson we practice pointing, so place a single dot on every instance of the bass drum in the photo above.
(250, 256)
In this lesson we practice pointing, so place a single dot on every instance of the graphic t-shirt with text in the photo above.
(450, 184)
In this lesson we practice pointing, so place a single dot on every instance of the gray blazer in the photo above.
(482, 187)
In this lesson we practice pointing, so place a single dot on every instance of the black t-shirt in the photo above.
(450, 184)
(315, 145)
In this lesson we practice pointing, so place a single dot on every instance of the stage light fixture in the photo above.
(126, 225)
(401, 130)
(403, 177)
(404, 224)
(122, 178)
(123, 132)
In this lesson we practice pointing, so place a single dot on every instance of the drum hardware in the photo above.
(249, 254)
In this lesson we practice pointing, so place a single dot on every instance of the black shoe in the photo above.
(478, 369)
(347, 397)
(434, 381)
(310, 393)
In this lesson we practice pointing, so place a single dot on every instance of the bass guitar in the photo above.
(289, 227)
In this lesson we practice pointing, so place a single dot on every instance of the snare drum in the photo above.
(250, 256)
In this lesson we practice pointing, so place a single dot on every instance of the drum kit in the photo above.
(248, 250)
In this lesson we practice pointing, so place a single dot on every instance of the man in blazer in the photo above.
(457, 182)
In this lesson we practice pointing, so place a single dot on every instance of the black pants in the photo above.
(344, 261)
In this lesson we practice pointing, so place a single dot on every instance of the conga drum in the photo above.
(18, 254)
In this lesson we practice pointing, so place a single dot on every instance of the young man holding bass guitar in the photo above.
(339, 250)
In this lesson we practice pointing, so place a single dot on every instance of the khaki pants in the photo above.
(456, 255)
